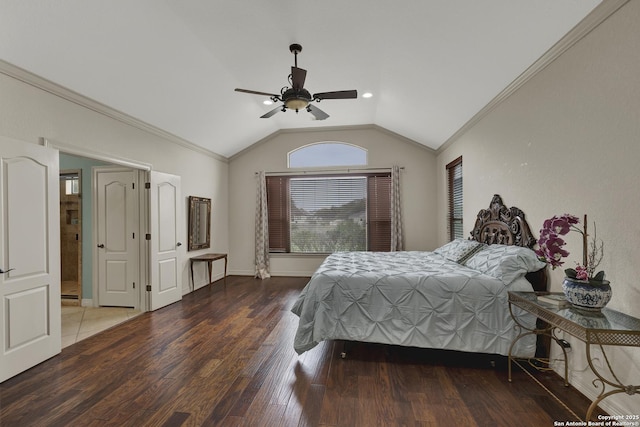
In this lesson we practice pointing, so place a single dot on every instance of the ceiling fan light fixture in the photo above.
(296, 103)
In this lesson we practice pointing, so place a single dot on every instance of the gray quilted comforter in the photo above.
(417, 299)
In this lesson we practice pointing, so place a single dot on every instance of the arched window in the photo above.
(328, 153)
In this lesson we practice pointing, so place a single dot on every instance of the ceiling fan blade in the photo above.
(317, 113)
(271, 113)
(255, 92)
(298, 75)
(339, 94)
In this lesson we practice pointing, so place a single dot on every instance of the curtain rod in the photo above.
(320, 171)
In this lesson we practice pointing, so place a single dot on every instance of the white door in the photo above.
(117, 220)
(166, 249)
(29, 256)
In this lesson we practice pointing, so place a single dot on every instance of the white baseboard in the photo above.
(187, 289)
(252, 273)
(274, 273)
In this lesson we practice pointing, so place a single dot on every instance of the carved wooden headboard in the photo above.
(507, 226)
(502, 225)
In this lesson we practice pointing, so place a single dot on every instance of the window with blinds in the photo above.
(379, 213)
(278, 212)
(454, 190)
(329, 213)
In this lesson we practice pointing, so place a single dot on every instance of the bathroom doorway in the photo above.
(71, 237)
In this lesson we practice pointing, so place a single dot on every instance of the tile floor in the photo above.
(79, 323)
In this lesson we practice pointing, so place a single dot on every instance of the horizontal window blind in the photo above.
(278, 212)
(329, 213)
(379, 233)
(455, 215)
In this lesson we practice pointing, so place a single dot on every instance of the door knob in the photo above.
(101, 245)
(6, 271)
(179, 244)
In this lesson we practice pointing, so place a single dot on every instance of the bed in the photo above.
(453, 298)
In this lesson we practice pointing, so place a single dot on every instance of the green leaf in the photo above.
(599, 277)
(570, 272)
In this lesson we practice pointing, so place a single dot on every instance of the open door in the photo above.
(30, 330)
(166, 250)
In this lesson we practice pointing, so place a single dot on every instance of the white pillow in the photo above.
(506, 263)
(459, 250)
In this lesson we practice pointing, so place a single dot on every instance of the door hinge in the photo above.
(147, 185)
(148, 288)
(133, 235)
(134, 285)
(133, 185)
(147, 236)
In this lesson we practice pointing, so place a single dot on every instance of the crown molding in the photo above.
(55, 89)
(597, 16)
(403, 138)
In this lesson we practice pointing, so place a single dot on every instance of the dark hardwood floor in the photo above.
(225, 358)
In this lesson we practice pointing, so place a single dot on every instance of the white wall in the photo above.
(385, 149)
(28, 113)
(568, 141)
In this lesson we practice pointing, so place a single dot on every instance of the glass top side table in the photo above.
(606, 328)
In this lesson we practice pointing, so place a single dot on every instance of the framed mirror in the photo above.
(199, 222)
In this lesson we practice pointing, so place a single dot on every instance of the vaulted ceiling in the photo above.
(431, 65)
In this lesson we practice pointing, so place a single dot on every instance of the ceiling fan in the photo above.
(297, 97)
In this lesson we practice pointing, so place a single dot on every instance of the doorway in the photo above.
(162, 192)
(30, 278)
(82, 317)
(70, 237)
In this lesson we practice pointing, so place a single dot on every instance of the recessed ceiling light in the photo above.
(367, 95)
(267, 102)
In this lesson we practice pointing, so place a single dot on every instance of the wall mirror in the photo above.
(199, 222)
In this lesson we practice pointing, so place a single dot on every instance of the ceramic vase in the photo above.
(585, 296)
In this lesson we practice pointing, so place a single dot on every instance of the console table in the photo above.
(605, 328)
(209, 258)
